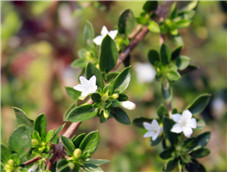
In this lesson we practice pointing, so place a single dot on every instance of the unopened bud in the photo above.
(115, 96)
(34, 142)
(43, 144)
(105, 97)
(10, 162)
(106, 115)
(71, 166)
(77, 153)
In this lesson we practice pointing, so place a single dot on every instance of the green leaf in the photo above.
(157, 141)
(182, 62)
(200, 153)
(122, 97)
(153, 26)
(176, 52)
(171, 164)
(195, 166)
(68, 144)
(20, 140)
(126, 22)
(50, 135)
(108, 55)
(5, 153)
(91, 168)
(91, 70)
(182, 23)
(90, 143)
(120, 115)
(96, 97)
(77, 140)
(173, 11)
(153, 56)
(81, 113)
(162, 111)
(165, 54)
(41, 125)
(166, 154)
(173, 75)
(22, 118)
(57, 132)
(150, 6)
(111, 76)
(88, 33)
(199, 104)
(74, 94)
(122, 80)
(79, 63)
(139, 121)
(190, 6)
(97, 162)
(167, 125)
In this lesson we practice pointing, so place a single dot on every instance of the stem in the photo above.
(169, 109)
(71, 130)
(32, 160)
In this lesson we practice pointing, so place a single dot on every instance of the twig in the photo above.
(32, 161)
(71, 130)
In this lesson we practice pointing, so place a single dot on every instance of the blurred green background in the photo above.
(40, 39)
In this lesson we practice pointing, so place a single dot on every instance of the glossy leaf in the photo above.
(91, 70)
(20, 140)
(200, 153)
(81, 113)
(41, 125)
(167, 125)
(176, 52)
(182, 62)
(182, 23)
(122, 80)
(108, 55)
(22, 118)
(90, 143)
(126, 22)
(165, 54)
(120, 115)
(57, 132)
(74, 94)
(77, 140)
(68, 144)
(153, 26)
(50, 135)
(153, 56)
(199, 104)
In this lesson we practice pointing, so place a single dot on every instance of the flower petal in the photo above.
(176, 129)
(128, 105)
(176, 117)
(187, 115)
(98, 40)
(192, 123)
(113, 33)
(79, 87)
(187, 131)
(155, 136)
(155, 124)
(83, 80)
(104, 31)
(148, 134)
(148, 126)
(84, 94)
(92, 80)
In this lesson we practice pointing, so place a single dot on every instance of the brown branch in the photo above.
(32, 161)
(71, 130)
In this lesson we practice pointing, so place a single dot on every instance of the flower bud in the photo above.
(34, 142)
(105, 97)
(77, 153)
(10, 162)
(71, 166)
(115, 96)
(106, 115)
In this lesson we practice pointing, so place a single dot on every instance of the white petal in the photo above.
(155, 124)
(187, 131)
(176, 117)
(176, 128)
(148, 134)
(79, 87)
(192, 123)
(113, 33)
(104, 31)
(98, 40)
(128, 105)
(187, 115)
(83, 80)
(148, 126)
(155, 136)
(84, 94)
(92, 80)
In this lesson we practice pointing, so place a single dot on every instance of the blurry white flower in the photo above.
(87, 86)
(153, 129)
(98, 40)
(145, 72)
(33, 168)
(128, 105)
(218, 106)
(184, 123)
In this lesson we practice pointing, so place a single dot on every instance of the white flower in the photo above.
(128, 105)
(153, 129)
(98, 40)
(33, 168)
(87, 86)
(184, 123)
(144, 72)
